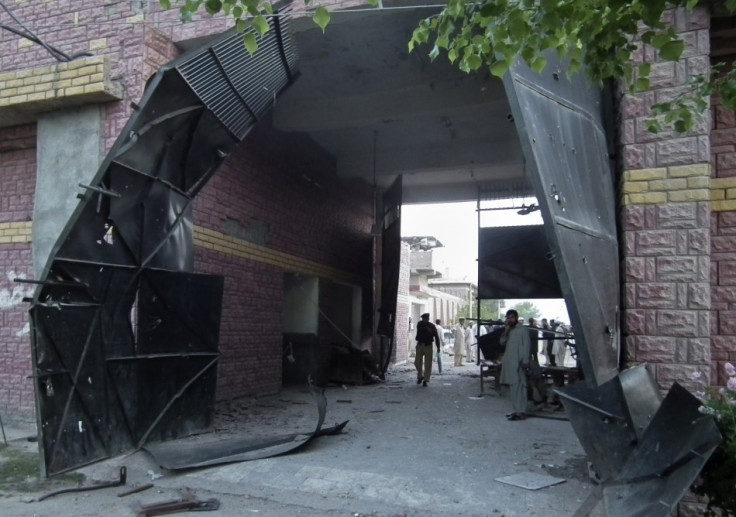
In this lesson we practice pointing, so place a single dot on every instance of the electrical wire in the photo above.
(29, 35)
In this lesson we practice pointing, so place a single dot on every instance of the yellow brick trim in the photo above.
(726, 205)
(98, 44)
(19, 232)
(722, 183)
(722, 194)
(682, 171)
(31, 91)
(217, 241)
(676, 184)
(645, 174)
(646, 198)
(687, 196)
(717, 195)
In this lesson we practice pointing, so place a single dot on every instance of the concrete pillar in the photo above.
(68, 153)
(403, 339)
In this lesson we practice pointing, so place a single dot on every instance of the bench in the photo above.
(488, 369)
(562, 375)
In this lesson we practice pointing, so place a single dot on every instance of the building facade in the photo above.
(266, 217)
(277, 221)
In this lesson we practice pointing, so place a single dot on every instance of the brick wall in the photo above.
(26, 93)
(665, 219)
(723, 235)
(275, 206)
(250, 328)
(17, 184)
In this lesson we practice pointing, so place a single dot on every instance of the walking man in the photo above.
(515, 363)
(426, 334)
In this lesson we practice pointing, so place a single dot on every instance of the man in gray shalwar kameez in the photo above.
(515, 363)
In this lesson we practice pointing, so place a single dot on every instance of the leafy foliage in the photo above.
(718, 477)
(489, 310)
(603, 36)
(527, 310)
(250, 17)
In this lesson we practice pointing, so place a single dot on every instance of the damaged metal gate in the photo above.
(124, 335)
(646, 450)
(390, 270)
(564, 142)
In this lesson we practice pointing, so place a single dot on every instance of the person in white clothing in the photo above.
(475, 331)
(458, 333)
(440, 331)
(469, 342)
(559, 350)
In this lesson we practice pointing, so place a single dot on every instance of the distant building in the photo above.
(461, 289)
(426, 263)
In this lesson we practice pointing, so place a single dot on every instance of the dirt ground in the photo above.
(407, 451)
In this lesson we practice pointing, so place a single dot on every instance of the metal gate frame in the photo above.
(390, 270)
(646, 450)
(124, 336)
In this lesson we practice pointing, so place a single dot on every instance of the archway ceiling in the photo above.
(444, 130)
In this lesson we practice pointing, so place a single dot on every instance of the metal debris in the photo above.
(119, 482)
(188, 503)
(176, 455)
(530, 480)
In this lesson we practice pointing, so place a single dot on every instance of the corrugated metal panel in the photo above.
(237, 87)
(118, 312)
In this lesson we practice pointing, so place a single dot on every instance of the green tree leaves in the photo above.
(321, 17)
(250, 17)
(609, 37)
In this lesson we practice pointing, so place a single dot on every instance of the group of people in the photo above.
(465, 341)
(520, 369)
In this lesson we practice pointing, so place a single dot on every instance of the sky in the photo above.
(456, 226)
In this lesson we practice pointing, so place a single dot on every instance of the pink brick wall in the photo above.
(279, 192)
(250, 328)
(723, 140)
(282, 192)
(666, 247)
(723, 242)
(17, 184)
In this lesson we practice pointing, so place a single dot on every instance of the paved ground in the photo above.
(407, 451)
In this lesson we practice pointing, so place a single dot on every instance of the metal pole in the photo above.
(477, 297)
(5, 440)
